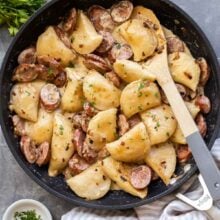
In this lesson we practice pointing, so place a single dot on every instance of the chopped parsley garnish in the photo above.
(118, 46)
(28, 93)
(141, 86)
(156, 95)
(27, 215)
(50, 72)
(61, 128)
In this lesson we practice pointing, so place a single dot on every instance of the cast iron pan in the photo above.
(170, 16)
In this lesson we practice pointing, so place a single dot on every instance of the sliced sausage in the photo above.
(120, 52)
(183, 153)
(44, 154)
(29, 149)
(89, 109)
(205, 70)
(81, 120)
(101, 18)
(60, 80)
(96, 62)
(78, 138)
(50, 97)
(182, 90)
(121, 11)
(113, 77)
(174, 44)
(62, 36)
(107, 42)
(69, 23)
(103, 153)
(28, 56)
(134, 120)
(88, 153)
(77, 164)
(28, 72)
(52, 65)
(201, 124)
(123, 125)
(19, 126)
(140, 177)
(204, 103)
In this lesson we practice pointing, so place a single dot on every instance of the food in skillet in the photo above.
(85, 102)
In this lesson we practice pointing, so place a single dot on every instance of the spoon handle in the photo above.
(201, 154)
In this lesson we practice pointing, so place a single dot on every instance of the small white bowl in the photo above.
(24, 205)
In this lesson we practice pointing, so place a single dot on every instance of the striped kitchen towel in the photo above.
(167, 208)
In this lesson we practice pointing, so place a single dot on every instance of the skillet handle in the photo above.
(201, 154)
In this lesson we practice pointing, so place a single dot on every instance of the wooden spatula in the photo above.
(205, 162)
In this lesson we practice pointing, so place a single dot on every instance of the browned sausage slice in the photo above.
(123, 125)
(53, 67)
(77, 164)
(205, 70)
(62, 36)
(28, 72)
(204, 103)
(93, 61)
(183, 153)
(28, 148)
(19, 126)
(78, 138)
(81, 120)
(50, 97)
(201, 124)
(134, 120)
(89, 109)
(120, 52)
(121, 11)
(88, 153)
(182, 90)
(113, 77)
(101, 18)
(140, 177)
(28, 55)
(107, 42)
(174, 44)
(60, 80)
(70, 21)
(44, 154)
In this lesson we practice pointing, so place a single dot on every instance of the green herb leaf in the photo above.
(14, 13)
(27, 215)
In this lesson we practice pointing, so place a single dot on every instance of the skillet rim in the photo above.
(85, 203)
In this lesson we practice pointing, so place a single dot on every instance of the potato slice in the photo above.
(160, 123)
(178, 136)
(49, 44)
(142, 39)
(85, 38)
(100, 92)
(24, 99)
(72, 99)
(162, 159)
(139, 96)
(132, 146)
(102, 129)
(184, 69)
(62, 147)
(131, 71)
(91, 184)
(41, 130)
(119, 173)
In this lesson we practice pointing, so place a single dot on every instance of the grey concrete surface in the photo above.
(15, 184)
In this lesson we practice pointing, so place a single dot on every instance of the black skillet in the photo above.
(171, 17)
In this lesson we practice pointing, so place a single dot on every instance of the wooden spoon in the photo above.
(159, 66)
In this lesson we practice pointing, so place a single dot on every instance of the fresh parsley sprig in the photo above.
(14, 13)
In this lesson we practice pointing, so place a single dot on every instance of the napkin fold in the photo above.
(166, 208)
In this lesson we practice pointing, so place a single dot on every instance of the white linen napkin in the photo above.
(166, 208)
